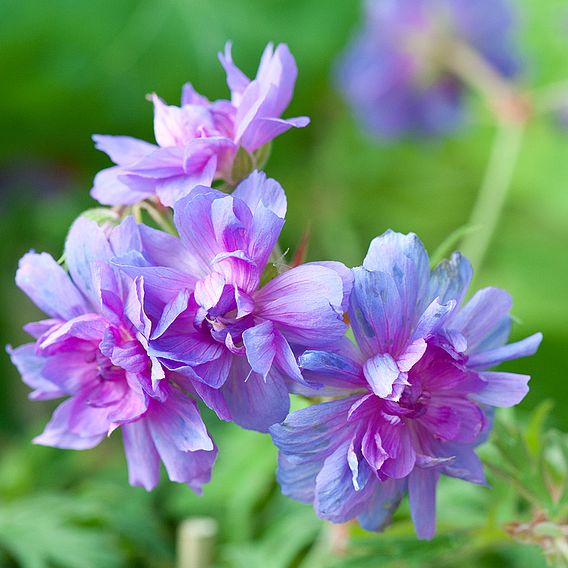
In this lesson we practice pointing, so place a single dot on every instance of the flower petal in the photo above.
(255, 403)
(493, 357)
(503, 389)
(141, 455)
(422, 496)
(123, 150)
(304, 303)
(49, 287)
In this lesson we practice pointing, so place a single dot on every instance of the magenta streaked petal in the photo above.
(209, 290)
(305, 304)
(346, 276)
(160, 283)
(190, 348)
(39, 328)
(176, 126)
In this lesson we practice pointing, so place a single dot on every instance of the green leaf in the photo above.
(42, 530)
(533, 432)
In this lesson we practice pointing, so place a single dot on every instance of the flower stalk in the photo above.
(493, 192)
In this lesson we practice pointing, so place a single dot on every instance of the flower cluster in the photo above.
(144, 324)
(404, 71)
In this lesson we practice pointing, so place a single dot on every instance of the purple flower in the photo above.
(395, 75)
(417, 391)
(198, 141)
(94, 351)
(233, 338)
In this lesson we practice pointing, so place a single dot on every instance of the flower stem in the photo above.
(492, 194)
(161, 217)
(506, 100)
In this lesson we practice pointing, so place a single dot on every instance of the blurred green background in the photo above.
(70, 69)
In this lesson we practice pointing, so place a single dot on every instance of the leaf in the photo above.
(42, 530)
(533, 432)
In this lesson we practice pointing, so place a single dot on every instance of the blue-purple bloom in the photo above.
(198, 141)
(232, 336)
(93, 350)
(416, 392)
(395, 75)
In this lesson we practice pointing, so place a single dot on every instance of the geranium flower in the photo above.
(93, 350)
(233, 338)
(403, 73)
(197, 142)
(415, 391)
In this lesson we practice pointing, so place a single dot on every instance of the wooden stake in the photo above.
(196, 542)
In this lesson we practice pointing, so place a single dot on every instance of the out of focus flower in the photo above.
(416, 392)
(406, 70)
(198, 141)
(231, 337)
(93, 349)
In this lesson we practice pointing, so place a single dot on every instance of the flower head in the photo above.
(397, 74)
(93, 350)
(198, 141)
(417, 390)
(233, 338)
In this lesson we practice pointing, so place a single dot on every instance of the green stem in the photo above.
(160, 219)
(492, 194)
